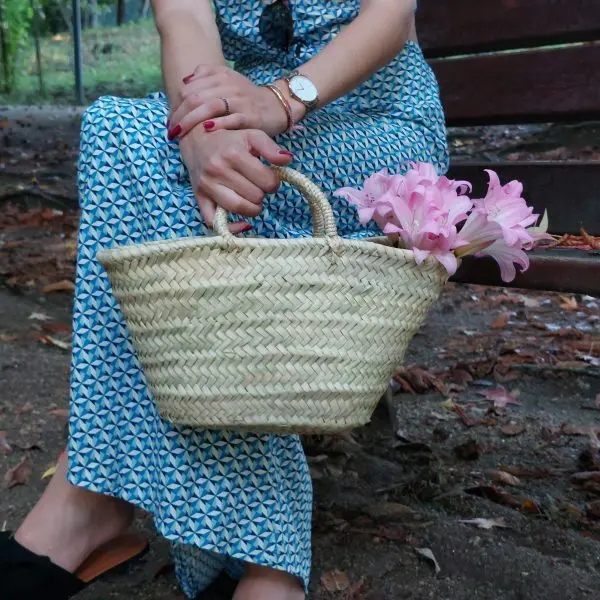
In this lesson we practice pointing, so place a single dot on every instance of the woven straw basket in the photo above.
(271, 335)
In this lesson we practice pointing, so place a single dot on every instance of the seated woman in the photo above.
(344, 90)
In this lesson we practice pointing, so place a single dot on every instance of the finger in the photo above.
(234, 121)
(199, 71)
(268, 149)
(188, 98)
(243, 186)
(204, 115)
(232, 202)
(258, 173)
(208, 209)
(186, 117)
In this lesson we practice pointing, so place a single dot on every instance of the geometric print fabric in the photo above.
(223, 498)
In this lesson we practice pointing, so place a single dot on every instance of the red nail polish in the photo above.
(245, 228)
(286, 153)
(173, 133)
(188, 78)
(208, 124)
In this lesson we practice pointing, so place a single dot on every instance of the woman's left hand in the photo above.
(202, 99)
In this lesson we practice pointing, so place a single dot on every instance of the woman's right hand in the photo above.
(225, 170)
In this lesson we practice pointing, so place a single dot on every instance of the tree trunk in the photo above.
(66, 16)
(120, 12)
(94, 14)
(38, 53)
(4, 51)
(145, 9)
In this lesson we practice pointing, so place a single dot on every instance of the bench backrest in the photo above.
(554, 77)
(522, 61)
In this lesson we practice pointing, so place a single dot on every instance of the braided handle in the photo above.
(323, 219)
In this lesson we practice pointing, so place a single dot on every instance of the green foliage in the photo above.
(15, 19)
(121, 61)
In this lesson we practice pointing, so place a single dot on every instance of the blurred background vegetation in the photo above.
(120, 49)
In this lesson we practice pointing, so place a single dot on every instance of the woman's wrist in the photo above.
(277, 119)
(298, 109)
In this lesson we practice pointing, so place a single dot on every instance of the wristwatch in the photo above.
(303, 90)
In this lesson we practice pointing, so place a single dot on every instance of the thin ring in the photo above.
(227, 108)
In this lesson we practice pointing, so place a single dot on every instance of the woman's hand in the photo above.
(202, 101)
(225, 170)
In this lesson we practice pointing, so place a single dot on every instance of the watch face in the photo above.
(304, 88)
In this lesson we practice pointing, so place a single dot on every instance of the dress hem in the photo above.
(91, 487)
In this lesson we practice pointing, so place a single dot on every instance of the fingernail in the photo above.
(188, 78)
(173, 133)
(245, 228)
(286, 153)
(208, 124)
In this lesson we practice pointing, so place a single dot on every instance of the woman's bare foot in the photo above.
(262, 583)
(69, 523)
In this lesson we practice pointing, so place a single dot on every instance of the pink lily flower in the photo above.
(483, 237)
(367, 200)
(505, 206)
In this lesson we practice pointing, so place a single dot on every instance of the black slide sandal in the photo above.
(25, 575)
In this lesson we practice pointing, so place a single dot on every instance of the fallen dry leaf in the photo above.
(335, 581)
(568, 303)
(530, 507)
(512, 429)
(586, 476)
(56, 328)
(415, 380)
(534, 473)
(429, 555)
(485, 523)
(501, 397)
(39, 316)
(8, 337)
(388, 510)
(5, 447)
(49, 472)
(501, 321)
(503, 477)
(493, 494)
(592, 509)
(355, 591)
(64, 412)
(567, 429)
(60, 286)
(468, 450)
(18, 475)
(51, 341)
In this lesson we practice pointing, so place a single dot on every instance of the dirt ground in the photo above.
(495, 418)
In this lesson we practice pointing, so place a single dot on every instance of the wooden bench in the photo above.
(518, 62)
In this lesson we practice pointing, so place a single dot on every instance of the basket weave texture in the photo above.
(270, 335)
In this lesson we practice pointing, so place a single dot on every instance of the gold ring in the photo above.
(227, 109)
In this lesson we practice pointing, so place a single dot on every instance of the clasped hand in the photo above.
(222, 151)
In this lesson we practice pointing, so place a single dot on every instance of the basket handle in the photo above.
(322, 213)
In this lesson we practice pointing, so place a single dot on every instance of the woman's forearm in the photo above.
(189, 36)
(370, 42)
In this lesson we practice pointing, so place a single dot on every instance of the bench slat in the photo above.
(567, 271)
(542, 86)
(465, 26)
(569, 191)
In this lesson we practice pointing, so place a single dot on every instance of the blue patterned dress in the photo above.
(223, 498)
